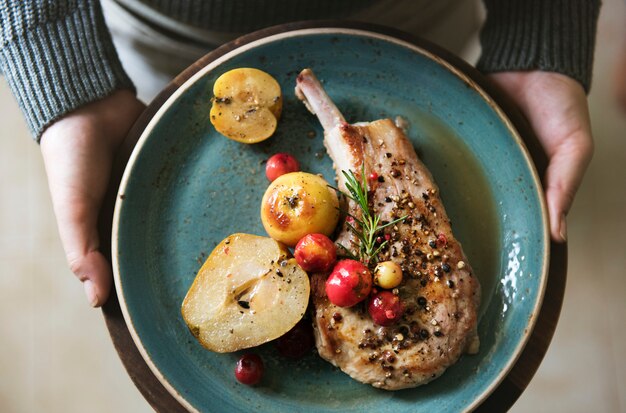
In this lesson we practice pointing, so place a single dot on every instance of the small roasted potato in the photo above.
(247, 104)
(249, 291)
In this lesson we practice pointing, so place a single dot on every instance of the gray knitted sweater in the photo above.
(57, 55)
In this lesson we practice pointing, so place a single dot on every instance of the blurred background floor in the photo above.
(56, 355)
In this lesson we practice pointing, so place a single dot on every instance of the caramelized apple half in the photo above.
(247, 104)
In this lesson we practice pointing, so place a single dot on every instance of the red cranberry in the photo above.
(349, 283)
(280, 164)
(442, 240)
(249, 369)
(385, 308)
(315, 253)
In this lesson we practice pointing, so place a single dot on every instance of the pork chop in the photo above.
(439, 291)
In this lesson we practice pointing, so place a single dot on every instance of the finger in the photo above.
(563, 177)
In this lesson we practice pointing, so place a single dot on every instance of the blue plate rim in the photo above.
(537, 187)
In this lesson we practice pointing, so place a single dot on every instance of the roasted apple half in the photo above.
(247, 104)
(297, 204)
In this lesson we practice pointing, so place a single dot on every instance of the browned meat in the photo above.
(440, 293)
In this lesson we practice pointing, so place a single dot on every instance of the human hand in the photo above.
(78, 152)
(556, 107)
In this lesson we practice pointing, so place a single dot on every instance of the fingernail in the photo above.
(90, 291)
(563, 228)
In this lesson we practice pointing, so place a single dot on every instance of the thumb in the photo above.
(94, 271)
(562, 179)
(77, 223)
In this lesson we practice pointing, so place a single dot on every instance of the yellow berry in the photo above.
(387, 275)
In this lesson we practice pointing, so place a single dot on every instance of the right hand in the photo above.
(78, 152)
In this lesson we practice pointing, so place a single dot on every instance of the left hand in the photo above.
(556, 107)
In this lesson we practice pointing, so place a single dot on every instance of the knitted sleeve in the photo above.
(550, 35)
(56, 56)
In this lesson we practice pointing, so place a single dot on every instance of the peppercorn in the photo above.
(389, 357)
(441, 239)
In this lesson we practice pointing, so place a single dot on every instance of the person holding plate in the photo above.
(81, 89)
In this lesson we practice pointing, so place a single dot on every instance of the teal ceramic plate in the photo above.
(186, 188)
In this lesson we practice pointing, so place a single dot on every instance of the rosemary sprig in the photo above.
(369, 224)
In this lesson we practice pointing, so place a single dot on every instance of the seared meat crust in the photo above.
(440, 293)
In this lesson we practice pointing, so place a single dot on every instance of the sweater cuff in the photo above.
(62, 63)
(550, 35)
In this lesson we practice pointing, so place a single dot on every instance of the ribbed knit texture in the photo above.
(242, 16)
(551, 35)
(57, 56)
